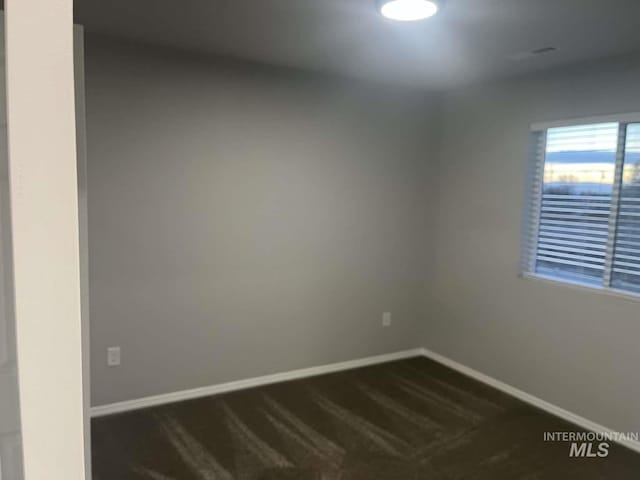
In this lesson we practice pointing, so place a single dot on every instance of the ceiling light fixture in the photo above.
(408, 10)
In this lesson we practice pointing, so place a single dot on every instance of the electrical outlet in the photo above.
(113, 356)
(386, 319)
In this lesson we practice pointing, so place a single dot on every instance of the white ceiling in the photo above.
(468, 41)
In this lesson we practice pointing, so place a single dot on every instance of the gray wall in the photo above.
(246, 221)
(574, 348)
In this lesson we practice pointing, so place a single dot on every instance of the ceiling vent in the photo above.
(518, 57)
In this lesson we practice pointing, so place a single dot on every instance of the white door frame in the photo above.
(45, 235)
(83, 221)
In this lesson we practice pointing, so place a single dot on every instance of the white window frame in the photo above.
(533, 204)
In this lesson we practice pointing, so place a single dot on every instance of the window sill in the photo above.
(609, 292)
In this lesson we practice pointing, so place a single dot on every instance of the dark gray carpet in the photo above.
(406, 420)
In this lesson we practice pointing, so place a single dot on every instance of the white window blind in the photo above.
(582, 208)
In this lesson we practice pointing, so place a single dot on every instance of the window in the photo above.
(582, 219)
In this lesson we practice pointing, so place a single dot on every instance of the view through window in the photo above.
(585, 205)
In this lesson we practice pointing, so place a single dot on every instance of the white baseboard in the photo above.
(527, 398)
(248, 383)
(341, 366)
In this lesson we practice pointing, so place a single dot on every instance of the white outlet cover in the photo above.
(113, 356)
(386, 319)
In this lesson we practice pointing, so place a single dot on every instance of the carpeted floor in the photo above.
(406, 420)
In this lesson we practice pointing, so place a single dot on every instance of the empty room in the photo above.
(320, 240)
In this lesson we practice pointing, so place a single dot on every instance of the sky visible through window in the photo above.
(581, 159)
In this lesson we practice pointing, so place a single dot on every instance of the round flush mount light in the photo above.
(408, 10)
